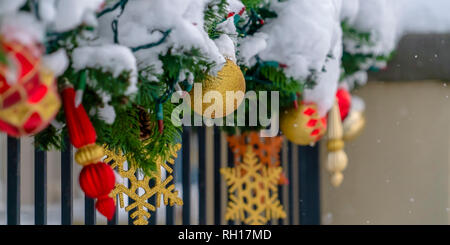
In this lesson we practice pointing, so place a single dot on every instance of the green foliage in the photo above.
(353, 34)
(215, 13)
(268, 76)
(353, 63)
(258, 14)
(192, 61)
(251, 4)
(49, 139)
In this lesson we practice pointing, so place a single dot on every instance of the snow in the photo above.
(47, 11)
(21, 27)
(303, 36)
(142, 22)
(72, 13)
(107, 112)
(9, 6)
(58, 62)
(250, 46)
(111, 58)
(349, 10)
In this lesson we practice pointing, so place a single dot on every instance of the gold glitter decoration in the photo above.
(354, 125)
(230, 78)
(253, 191)
(158, 188)
(302, 126)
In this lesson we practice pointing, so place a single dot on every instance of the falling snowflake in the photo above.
(253, 191)
(158, 187)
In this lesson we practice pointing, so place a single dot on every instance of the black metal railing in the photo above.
(300, 197)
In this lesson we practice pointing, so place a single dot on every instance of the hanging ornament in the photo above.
(28, 95)
(337, 158)
(253, 191)
(138, 181)
(344, 100)
(304, 125)
(266, 149)
(356, 121)
(96, 178)
(229, 79)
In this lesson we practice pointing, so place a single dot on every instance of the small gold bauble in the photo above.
(230, 78)
(302, 126)
(353, 125)
(336, 179)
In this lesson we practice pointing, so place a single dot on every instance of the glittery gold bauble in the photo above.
(231, 79)
(302, 126)
(353, 125)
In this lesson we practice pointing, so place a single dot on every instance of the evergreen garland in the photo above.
(266, 75)
(153, 90)
(354, 62)
(215, 13)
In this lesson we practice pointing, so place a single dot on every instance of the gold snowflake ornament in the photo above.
(159, 187)
(253, 191)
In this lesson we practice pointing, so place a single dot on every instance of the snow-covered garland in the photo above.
(125, 58)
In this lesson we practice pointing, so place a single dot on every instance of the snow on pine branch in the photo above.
(109, 58)
(303, 36)
(143, 21)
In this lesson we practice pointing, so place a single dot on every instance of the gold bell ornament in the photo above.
(355, 122)
(231, 79)
(303, 126)
(337, 158)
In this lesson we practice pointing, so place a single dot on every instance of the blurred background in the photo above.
(398, 170)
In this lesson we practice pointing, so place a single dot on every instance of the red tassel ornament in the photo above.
(97, 178)
(97, 181)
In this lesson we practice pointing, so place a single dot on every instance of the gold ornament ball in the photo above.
(302, 126)
(353, 125)
(230, 78)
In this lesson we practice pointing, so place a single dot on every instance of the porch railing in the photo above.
(204, 151)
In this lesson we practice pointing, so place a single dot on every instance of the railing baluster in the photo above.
(280, 187)
(152, 200)
(89, 211)
(13, 181)
(170, 209)
(115, 219)
(291, 183)
(202, 175)
(186, 175)
(230, 164)
(40, 187)
(130, 201)
(217, 177)
(66, 184)
(309, 188)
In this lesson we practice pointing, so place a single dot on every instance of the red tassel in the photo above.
(97, 181)
(106, 206)
(81, 131)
